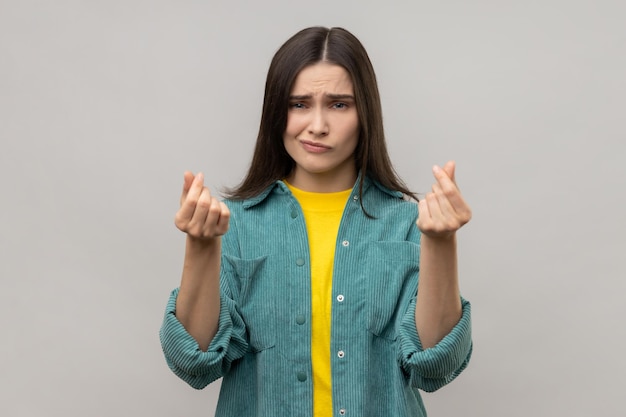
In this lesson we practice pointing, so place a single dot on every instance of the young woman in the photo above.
(301, 289)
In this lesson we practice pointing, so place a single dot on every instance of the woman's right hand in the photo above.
(204, 218)
(201, 216)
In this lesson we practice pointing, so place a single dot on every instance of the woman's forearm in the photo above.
(198, 302)
(438, 307)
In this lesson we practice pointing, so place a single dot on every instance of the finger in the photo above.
(445, 174)
(188, 178)
(423, 213)
(430, 213)
(200, 213)
(447, 209)
(213, 216)
(196, 188)
(434, 210)
(189, 204)
(449, 169)
(187, 181)
(224, 219)
(448, 186)
(453, 206)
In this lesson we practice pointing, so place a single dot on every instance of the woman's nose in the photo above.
(319, 124)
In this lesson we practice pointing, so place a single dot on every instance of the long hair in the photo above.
(270, 161)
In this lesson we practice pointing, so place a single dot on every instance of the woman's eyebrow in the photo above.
(300, 97)
(330, 96)
(340, 96)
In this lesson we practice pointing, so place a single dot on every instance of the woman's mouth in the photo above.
(314, 147)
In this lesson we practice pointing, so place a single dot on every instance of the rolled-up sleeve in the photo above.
(431, 369)
(183, 354)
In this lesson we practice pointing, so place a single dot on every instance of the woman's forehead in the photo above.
(322, 77)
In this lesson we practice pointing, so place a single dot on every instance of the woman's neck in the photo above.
(326, 182)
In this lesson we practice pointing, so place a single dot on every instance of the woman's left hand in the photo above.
(443, 211)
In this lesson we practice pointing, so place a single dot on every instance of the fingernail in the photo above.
(436, 169)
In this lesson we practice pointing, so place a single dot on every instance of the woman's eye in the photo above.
(340, 105)
(297, 105)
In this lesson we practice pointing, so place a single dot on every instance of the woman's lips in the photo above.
(314, 147)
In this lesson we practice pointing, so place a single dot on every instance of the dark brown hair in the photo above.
(271, 161)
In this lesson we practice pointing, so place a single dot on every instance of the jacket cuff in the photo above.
(183, 354)
(431, 369)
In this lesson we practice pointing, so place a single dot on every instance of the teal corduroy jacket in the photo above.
(263, 344)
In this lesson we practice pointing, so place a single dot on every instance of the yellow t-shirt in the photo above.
(322, 215)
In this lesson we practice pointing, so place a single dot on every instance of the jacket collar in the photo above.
(281, 188)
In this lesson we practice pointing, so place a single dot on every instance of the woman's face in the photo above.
(322, 129)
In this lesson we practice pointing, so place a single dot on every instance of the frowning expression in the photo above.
(322, 129)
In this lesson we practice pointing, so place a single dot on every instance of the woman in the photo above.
(301, 289)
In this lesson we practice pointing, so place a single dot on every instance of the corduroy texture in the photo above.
(263, 353)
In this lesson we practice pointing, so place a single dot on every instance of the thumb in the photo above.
(187, 181)
(449, 168)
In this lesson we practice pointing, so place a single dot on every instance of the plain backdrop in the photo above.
(104, 104)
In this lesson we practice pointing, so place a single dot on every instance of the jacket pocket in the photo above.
(393, 270)
(256, 301)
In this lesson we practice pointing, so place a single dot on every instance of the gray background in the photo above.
(104, 104)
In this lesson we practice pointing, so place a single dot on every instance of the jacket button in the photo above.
(299, 261)
(300, 319)
(301, 376)
(294, 214)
